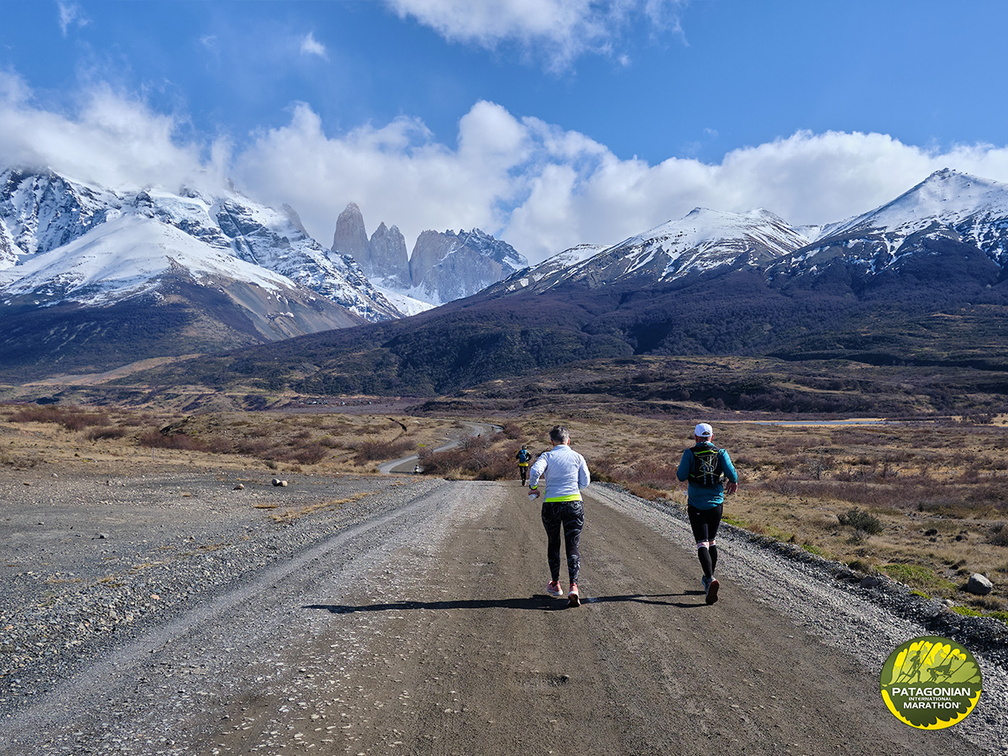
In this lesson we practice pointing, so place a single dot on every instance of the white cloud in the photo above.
(396, 173)
(311, 46)
(559, 30)
(110, 140)
(544, 189)
(538, 186)
(70, 14)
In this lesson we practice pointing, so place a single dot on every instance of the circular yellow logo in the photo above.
(931, 683)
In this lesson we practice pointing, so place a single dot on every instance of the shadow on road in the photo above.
(536, 603)
(655, 599)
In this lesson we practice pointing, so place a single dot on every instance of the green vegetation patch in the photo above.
(918, 576)
(861, 521)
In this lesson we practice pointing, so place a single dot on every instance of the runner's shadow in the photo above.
(641, 598)
(535, 603)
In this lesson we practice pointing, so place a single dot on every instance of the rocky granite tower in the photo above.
(351, 238)
(444, 266)
(388, 256)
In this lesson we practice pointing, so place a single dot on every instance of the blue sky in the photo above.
(545, 122)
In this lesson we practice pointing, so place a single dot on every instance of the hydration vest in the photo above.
(705, 467)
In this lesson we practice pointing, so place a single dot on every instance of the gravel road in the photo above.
(210, 612)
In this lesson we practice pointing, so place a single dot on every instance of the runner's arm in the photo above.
(727, 467)
(682, 472)
(729, 472)
(536, 471)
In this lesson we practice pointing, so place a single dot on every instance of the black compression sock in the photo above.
(705, 561)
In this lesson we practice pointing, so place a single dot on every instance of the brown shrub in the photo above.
(71, 418)
(177, 441)
(305, 454)
(475, 457)
(662, 477)
(35, 414)
(999, 535)
(512, 431)
(106, 432)
(253, 446)
(371, 451)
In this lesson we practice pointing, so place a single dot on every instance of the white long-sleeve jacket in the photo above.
(565, 472)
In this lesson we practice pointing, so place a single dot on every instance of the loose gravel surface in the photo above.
(211, 612)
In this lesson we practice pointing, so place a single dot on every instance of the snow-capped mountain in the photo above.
(949, 210)
(947, 206)
(447, 265)
(718, 283)
(444, 266)
(701, 242)
(63, 241)
(92, 278)
(124, 256)
(549, 272)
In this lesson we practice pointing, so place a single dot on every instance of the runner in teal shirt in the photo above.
(705, 466)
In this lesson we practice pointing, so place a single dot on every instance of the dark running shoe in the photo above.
(712, 589)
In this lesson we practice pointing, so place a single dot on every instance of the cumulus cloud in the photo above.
(544, 189)
(311, 46)
(536, 185)
(109, 139)
(560, 30)
(397, 173)
(807, 179)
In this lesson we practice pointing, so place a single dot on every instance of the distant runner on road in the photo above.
(566, 473)
(705, 466)
(524, 457)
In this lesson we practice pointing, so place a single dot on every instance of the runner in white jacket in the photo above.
(565, 473)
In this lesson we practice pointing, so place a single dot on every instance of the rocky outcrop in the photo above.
(351, 238)
(444, 265)
(388, 258)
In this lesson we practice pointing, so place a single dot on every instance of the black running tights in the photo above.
(570, 516)
(704, 523)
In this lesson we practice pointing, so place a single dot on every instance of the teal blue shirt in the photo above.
(705, 467)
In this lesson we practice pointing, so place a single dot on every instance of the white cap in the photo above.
(703, 430)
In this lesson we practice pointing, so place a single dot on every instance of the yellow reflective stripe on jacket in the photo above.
(570, 497)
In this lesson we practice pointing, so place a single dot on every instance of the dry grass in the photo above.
(288, 516)
(58, 434)
(936, 496)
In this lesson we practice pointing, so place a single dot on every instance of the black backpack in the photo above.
(705, 467)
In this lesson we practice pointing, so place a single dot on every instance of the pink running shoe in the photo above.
(554, 589)
(573, 597)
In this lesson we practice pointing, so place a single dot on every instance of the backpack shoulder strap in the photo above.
(705, 466)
